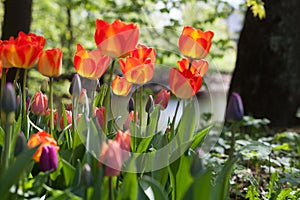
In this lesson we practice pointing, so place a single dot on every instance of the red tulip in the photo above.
(24, 50)
(111, 157)
(198, 66)
(116, 39)
(50, 62)
(44, 139)
(4, 47)
(99, 113)
(55, 116)
(195, 43)
(139, 65)
(130, 118)
(184, 82)
(120, 86)
(68, 118)
(162, 98)
(39, 104)
(124, 139)
(90, 64)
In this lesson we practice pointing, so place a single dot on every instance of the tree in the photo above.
(17, 17)
(267, 67)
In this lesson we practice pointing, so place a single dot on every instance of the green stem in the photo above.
(135, 119)
(17, 77)
(107, 99)
(7, 148)
(74, 114)
(232, 141)
(51, 106)
(3, 83)
(141, 110)
(111, 189)
(174, 119)
(25, 122)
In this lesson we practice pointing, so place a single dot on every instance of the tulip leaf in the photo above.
(129, 188)
(222, 182)
(152, 189)
(13, 173)
(69, 171)
(144, 144)
(2, 135)
(180, 176)
(199, 136)
(201, 187)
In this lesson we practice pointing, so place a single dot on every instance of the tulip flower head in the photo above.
(194, 43)
(50, 62)
(23, 51)
(116, 39)
(90, 64)
(235, 108)
(139, 65)
(39, 104)
(99, 113)
(162, 99)
(130, 118)
(68, 118)
(120, 86)
(185, 81)
(48, 159)
(44, 139)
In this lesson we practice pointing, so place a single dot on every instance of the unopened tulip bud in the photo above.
(8, 99)
(48, 159)
(39, 104)
(235, 109)
(86, 175)
(21, 144)
(131, 105)
(162, 99)
(75, 88)
(149, 105)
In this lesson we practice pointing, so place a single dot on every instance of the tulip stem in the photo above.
(24, 109)
(174, 119)
(3, 83)
(107, 99)
(7, 148)
(111, 189)
(16, 77)
(141, 110)
(232, 141)
(51, 106)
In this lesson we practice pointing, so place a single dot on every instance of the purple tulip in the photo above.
(48, 159)
(235, 109)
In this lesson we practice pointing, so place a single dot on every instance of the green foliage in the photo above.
(257, 7)
(252, 193)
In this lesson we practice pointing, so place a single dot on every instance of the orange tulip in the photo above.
(44, 139)
(90, 64)
(50, 62)
(4, 48)
(184, 82)
(116, 39)
(198, 66)
(139, 65)
(195, 43)
(24, 50)
(124, 139)
(120, 86)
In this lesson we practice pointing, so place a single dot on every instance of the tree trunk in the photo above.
(267, 73)
(17, 17)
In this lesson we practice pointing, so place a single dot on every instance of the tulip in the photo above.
(48, 159)
(23, 52)
(186, 81)
(68, 118)
(130, 118)
(124, 139)
(120, 86)
(90, 64)
(39, 104)
(162, 99)
(130, 106)
(9, 99)
(50, 62)
(139, 65)
(55, 116)
(149, 104)
(197, 66)
(75, 87)
(44, 139)
(99, 113)
(4, 45)
(116, 39)
(20, 145)
(111, 157)
(235, 109)
(195, 43)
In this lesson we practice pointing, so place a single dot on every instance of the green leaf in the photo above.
(13, 174)
(220, 191)
(152, 188)
(274, 178)
(144, 144)
(129, 188)
(201, 185)
(199, 136)
(284, 194)
(284, 146)
(180, 176)
(69, 171)
(252, 193)
(1, 137)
